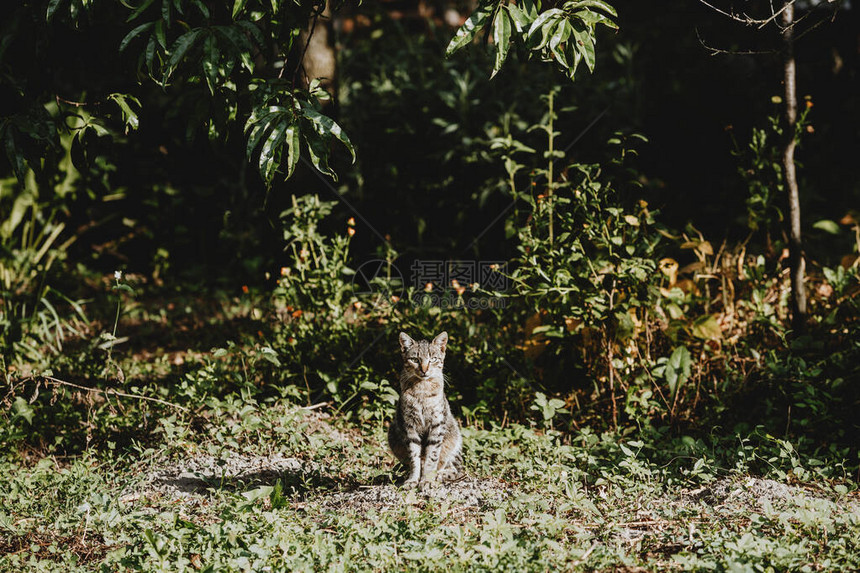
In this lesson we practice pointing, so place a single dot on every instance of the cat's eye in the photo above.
(413, 361)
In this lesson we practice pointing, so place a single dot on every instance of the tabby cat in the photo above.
(424, 435)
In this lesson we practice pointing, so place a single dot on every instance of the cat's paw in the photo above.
(411, 481)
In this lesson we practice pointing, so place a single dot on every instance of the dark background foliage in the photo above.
(168, 190)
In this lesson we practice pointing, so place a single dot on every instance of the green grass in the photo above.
(546, 503)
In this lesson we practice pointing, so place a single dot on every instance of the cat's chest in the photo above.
(423, 411)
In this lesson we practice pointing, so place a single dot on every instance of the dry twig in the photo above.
(105, 391)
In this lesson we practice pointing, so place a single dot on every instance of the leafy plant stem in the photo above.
(116, 318)
(609, 356)
(550, 176)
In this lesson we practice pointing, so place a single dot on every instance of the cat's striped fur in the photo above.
(424, 435)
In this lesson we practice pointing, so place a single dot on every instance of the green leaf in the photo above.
(261, 127)
(235, 36)
(12, 219)
(204, 10)
(575, 5)
(238, 6)
(134, 34)
(529, 8)
(827, 226)
(706, 328)
(180, 47)
(319, 155)
(269, 154)
(291, 138)
(252, 29)
(150, 54)
(539, 24)
(13, 152)
(326, 126)
(241, 44)
(211, 57)
(594, 18)
(140, 9)
(124, 288)
(501, 38)
(52, 7)
(22, 409)
(574, 55)
(160, 35)
(470, 28)
(165, 11)
(678, 368)
(583, 40)
(128, 114)
(588, 53)
(520, 19)
(559, 37)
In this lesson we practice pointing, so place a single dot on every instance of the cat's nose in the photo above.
(425, 366)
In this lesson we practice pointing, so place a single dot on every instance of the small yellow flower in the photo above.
(428, 287)
(350, 231)
(351, 221)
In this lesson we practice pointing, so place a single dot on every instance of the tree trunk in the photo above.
(319, 60)
(797, 261)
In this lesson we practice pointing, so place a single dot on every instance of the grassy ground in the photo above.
(238, 482)
(276, 487)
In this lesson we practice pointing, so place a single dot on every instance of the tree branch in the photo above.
(109, 392)
(715, 51)
(744, 18)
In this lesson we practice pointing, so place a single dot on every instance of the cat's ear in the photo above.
(441, 341)
(405, 342)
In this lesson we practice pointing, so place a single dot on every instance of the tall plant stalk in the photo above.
(796, 259)
(550, 175)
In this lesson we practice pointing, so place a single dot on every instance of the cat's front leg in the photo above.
(413, 442)
(433, 451)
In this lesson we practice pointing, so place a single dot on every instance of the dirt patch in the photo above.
(467, 492)
(196, 476)
(753, 493)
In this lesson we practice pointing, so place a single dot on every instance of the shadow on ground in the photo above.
(196, 478)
